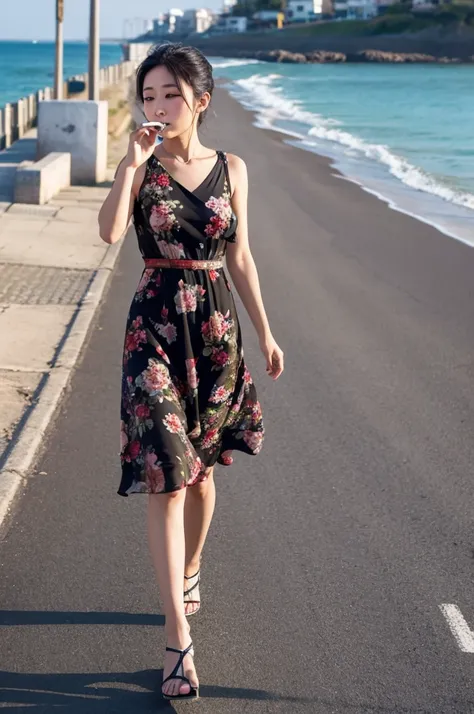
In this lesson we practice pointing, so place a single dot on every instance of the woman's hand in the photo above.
(141, 146)
(274, 357)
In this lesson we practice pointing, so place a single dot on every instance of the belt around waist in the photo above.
(183, 264)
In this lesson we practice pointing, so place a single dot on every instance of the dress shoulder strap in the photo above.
(223, 156)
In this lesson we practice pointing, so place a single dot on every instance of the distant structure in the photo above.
(304, 10)
(355, 9)
(268, 18)
(424, 4)
(196, 21)
(184, 24)
(227, 24)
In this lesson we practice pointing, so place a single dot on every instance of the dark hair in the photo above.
(186, 64)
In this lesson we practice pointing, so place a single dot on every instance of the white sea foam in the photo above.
(223, 64)
(272, 105)
(397, 165)
(260, 94)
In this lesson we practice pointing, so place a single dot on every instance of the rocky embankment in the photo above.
(325, 56)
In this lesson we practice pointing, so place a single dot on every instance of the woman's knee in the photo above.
(201, 488)
(167, 500)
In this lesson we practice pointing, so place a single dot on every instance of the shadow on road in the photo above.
(99, 693)
(35, 617)
(121, 692)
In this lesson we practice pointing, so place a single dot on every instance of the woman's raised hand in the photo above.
(141, 146)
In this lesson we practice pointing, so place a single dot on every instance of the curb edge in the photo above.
(13, 474)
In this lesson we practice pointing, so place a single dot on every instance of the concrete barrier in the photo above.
(38, 182)
(79, 128)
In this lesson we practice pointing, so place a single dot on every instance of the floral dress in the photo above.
(188, 399)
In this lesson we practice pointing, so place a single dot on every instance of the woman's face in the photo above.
(163, 101)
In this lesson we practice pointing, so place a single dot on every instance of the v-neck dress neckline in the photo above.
(205, 180)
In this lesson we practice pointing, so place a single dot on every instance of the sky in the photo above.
(35, 19)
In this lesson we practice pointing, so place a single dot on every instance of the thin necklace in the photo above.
(180, 161)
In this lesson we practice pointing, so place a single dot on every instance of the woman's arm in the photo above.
(243, 271)
(117, 209)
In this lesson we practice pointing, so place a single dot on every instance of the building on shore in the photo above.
(194, 21)
(229, 24)
(167, 23)
(186, 23)
(304, 10)
(355, 9)
(424, 4)
(264, 19)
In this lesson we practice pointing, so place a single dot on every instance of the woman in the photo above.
(188, 399)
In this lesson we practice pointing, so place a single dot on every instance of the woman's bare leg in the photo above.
(167, 548)
(198, 512)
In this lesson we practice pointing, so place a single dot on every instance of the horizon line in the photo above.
(66, 39)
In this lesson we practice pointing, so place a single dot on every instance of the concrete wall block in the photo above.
(79, 128)
(27, 186)
(38, 182)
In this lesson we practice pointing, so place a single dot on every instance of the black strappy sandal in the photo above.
(188, 598)
(193, 694)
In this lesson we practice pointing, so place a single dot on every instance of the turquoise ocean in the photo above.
(26, 67)
(402, 132)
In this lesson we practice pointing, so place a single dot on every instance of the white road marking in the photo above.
(463, 634)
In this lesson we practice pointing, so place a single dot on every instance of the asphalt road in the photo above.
(331, 552)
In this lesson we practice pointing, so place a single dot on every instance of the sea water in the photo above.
(403, 132)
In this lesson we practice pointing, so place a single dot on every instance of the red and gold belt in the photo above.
(183, 264)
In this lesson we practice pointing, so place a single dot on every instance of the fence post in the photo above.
(32, 110)
(20, 118)
(26, 114)
(7, 118)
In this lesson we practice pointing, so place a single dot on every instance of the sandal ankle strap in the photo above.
(182, 652)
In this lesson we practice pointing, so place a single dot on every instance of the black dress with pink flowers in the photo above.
(188, 399)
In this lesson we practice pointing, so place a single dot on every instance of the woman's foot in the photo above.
(176, 686)
(192, 598)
